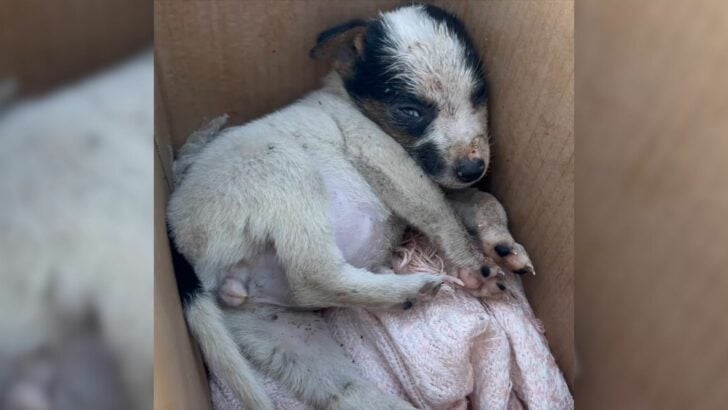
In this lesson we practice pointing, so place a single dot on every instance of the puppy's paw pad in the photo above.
(503, 250)
(512, 257)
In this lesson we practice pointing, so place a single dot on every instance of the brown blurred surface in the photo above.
(652, 204)
(249, 58)
(47, 43)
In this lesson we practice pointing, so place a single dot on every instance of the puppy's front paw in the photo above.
(493, 287)
(475, 277)
(512, 257)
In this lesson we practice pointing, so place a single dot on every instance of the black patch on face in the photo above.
(428, 157)
(373, 80)
(479, 95)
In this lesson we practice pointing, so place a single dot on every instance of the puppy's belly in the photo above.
(358, 220)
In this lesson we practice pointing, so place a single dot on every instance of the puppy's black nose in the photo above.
(469, 170)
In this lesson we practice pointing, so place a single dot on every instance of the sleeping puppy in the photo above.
(300, 210)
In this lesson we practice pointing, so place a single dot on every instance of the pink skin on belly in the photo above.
(358, 227)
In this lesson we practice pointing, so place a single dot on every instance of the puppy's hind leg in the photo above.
(296, 349)
(294, 218)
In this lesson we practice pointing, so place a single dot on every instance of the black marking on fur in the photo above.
(407, 305)
(502, 250)
(501, 286)
(414, 127)
(369, 78)
(188, 284)
(479, 95)
(428, 157)
(522, 271)
(372, 79)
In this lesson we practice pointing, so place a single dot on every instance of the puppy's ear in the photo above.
(344, 43)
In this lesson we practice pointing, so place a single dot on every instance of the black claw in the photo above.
(503, 250)
(407, 305)
(485, 271)
(501, 286)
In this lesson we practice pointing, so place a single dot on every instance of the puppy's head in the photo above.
(415, 72)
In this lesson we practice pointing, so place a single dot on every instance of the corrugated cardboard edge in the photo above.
(180, 379)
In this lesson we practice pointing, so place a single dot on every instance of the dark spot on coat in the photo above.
(274, 317)
(428, 157)
(381, 93)
(407, 305)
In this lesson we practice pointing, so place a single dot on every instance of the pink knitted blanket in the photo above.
(455, 352)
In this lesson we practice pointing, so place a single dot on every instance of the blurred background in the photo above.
(652, 204)
(76, 253)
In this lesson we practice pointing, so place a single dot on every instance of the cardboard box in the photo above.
(46, 44)
(250, 58)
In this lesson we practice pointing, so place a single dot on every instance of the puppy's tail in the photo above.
(221, 353)
(196, 142)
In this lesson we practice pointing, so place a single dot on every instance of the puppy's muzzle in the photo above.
(470, 170)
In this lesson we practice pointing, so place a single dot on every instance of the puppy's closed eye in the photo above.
(410, 112)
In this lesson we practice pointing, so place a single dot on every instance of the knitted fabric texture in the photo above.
(454, 352)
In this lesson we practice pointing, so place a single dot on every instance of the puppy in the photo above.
(300, 210)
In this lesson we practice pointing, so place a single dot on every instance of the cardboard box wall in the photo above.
(248, 58)
(45, 44)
